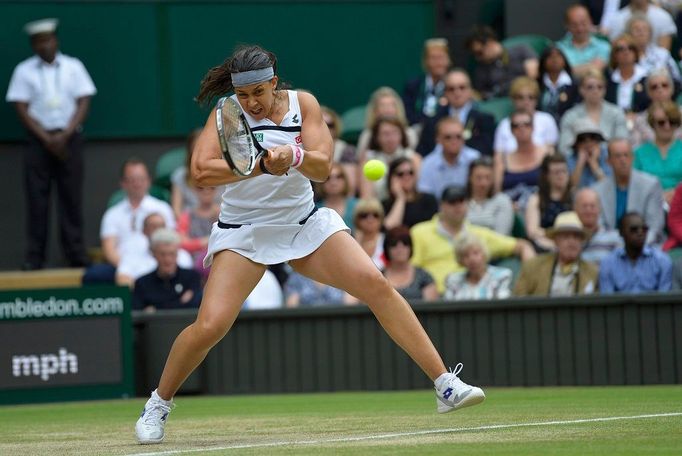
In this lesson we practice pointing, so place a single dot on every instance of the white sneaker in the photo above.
(452, 393)
(149, 427)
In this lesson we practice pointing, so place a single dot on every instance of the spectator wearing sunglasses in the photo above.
(448, 165)
(479, 126)
(368, 219)
(651, 55)
(662, 157)
(637, 267)
(659, 87)
(410, 281)
(406, 205)
(388, 142)
(629, 190)
(588, 160)
(624, 86)
(609, 117)
(524, 93)
(433, 240)
(517, 174)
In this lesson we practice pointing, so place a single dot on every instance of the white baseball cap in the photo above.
(48, 25)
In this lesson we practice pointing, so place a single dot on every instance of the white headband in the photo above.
(245, 78)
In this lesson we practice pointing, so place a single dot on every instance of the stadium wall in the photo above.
(596, 340)
(147, 58)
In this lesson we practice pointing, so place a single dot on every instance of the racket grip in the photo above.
(261, 164)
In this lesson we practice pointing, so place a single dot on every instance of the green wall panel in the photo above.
(147, 58)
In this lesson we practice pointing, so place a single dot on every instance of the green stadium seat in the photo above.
(167, 163)
(498, 107)
(536, 42)
(519, 227)
(353, 121)
(156, 191)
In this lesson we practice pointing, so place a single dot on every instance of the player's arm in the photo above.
(208, 166)
(317, 156)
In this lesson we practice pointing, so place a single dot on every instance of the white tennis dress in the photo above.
(267, 211)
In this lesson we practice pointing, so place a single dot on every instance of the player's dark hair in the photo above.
(218, 81)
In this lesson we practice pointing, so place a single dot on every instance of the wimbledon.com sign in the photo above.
(66, 337)
(56, 307)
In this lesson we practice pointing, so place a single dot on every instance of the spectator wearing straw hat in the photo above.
(560, 273)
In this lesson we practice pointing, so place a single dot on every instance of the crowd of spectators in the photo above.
(577, 191)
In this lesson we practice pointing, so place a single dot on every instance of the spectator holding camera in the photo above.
(588, 160)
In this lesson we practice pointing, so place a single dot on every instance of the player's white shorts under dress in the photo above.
(272, 219)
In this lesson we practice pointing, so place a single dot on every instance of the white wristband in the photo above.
(296, 156)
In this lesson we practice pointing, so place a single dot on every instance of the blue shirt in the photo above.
(595, 48)
(652, 271)
(436, 174)
(621, 204)
(587, 178)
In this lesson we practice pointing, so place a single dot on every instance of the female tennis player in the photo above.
(269, 217)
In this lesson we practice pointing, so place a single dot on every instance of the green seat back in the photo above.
(353, 121)
(499, 107)
(538, 43)
(167, 163)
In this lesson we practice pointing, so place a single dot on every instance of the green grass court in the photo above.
(512, 421)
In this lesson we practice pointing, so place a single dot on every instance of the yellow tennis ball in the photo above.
(374, 170)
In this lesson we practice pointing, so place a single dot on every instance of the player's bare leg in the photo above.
(230, 281)
(355, 273)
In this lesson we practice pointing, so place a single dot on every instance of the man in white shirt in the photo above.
(51, 93)
(137, 258)
(662, 23)
(122, 224)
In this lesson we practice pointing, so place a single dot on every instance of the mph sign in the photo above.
(60, 352)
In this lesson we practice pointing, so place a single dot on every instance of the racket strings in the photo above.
(240, 146)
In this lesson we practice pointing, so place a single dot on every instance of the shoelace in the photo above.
(155, 412)
(455, 381)
(458, 369)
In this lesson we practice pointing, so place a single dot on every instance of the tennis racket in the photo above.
(239, 146)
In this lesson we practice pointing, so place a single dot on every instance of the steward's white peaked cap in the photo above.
(48, 25)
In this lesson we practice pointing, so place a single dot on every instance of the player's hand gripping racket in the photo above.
(239, 146)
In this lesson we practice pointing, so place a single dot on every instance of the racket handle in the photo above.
(261, 163)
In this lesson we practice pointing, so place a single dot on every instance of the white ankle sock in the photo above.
(156, 397)
(439, 381)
